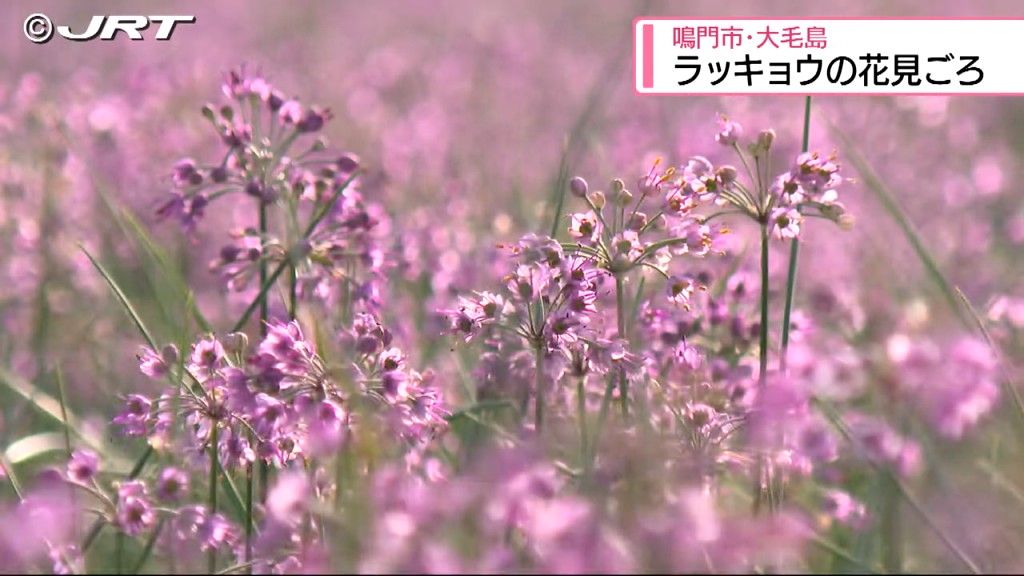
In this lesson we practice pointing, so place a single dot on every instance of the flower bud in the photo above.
(275, 100)
(728, 132)
(348, 163)
(597, 199)
(254, 188)
(578, 187)
(727, 174)
(301, 249)
(765, 139)
(637, 221)
(169, 354)
(219, 174)
(236, 343)
(313, 120)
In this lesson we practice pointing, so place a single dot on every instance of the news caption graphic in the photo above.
(828, 56)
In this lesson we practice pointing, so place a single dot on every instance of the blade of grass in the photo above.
(236, 568)
(482, 406)
(116, 289)
(1000, 480)
(1008, 385)
(838, 552)
(893, 209)
(64, 411)
(170, 273)
(52, 408)
(29, 447)
(559, 185)
(8, 470)
(837, 421)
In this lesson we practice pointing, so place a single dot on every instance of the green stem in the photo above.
(214, 458)
(759, 472)
(150, 544)
(264, 483)
(602, 417)
(620, 309)
(293, 293)
(264, 313)
(264, 301)
(763, 366)
(248, 509)
(794, 254)
(119, 552)
(538, 414)
(581, 414)
(890, 533)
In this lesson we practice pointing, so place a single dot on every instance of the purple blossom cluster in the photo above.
(273, 155)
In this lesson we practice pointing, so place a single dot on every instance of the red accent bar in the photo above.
(648, 55)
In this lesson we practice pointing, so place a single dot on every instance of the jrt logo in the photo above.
(39, 28)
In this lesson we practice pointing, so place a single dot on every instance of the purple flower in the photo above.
(194, 524)
(844, 509)
(187, 209)
(786, 223)
(134, 512)
(135, 416)
(290, 112)
(235, 450)
(286, 350)
(207, 357)
(327, 425)
(155, 365)
(83, 466)
(185, 173)
(171, 484)
(313, 120)
(729, 132)
(288, 498)
(680, 289)
(585, 227)
(66, 559)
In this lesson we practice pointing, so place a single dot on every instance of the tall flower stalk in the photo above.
(794, 254)
(214, 466)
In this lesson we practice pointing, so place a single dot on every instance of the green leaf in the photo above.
(29, 447)
(51, 407)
